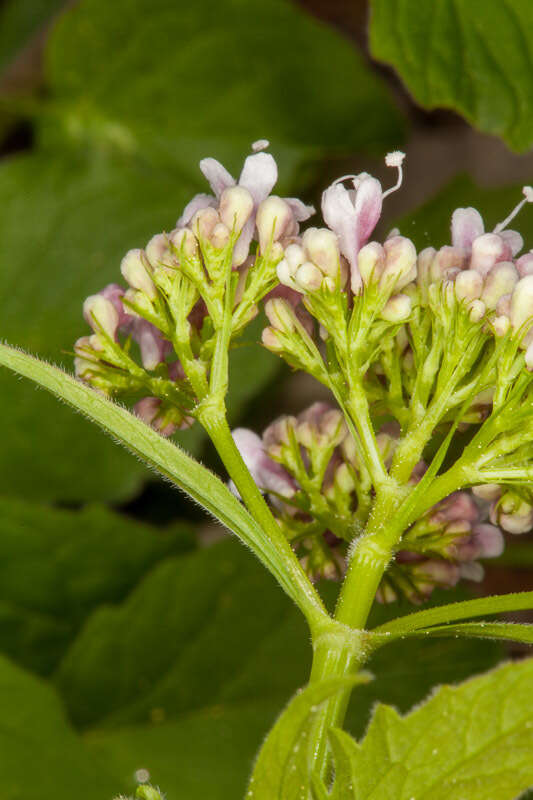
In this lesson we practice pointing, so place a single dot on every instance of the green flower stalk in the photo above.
(413, 348)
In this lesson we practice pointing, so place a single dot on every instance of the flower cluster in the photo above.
(413, 347)
(320, 492)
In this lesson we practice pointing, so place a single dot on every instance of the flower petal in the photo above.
(467, 225)
(198, 202)
(217, 175)
(259, 175)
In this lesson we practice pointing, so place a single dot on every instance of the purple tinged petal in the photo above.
(368, 204)
(340, 215)
(218, 176)
(467, 225)
(514, 240)
(300, 211)
(268, 475)
(259, 175)
(199, 202)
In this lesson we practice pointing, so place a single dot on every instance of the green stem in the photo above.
(219, 432)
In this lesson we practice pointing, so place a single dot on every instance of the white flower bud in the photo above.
(308, 277)
(487, 491)
(522, 304)
(397, 308)
(236, 206)
(274, 217)
(501, 325)
(134, 271)
(487, 250)
(371, 262)
(400, 262)
(424, 262)
(468, 285)
(500, 281)
(295, 255)
(323, 249)
(285, 274)
(100, 313)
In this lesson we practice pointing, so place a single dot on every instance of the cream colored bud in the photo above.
(501, 325)
(487, 491)
(134, 271)
(468, 285)
(184, 240)
(101, 314)
(204, 223)
(308, 277)
(500, 281)
(424, 262)
(236, 206)
(220, 236)
(477, 310)
(271, 341)
(400, 263)
(522, 304)
(371, 262)
(397, 308)
(295, 255)
(157, 249)
(274, 217)
(285, 274)
(280, 314)
(323, 249)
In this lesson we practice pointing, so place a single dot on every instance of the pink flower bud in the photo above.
(447, 260)
(134, 271)
(280, 314)
(204, 222)
(157, 250)
(524, 264)
(149, 410)
(269, 476)
(154, 348)
(467, 225)
(236, 206)
(184, 241)
(101, 314)
(487, 250)
(458, 506)
(489, 540)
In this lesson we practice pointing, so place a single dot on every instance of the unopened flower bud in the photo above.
(280, 314)
(424, 262)
(101, 314)
(512, 513)
(274, 217)
(204, 223)
(371, 262)
(323, 249)
(487, 250)
(149, 410)
(522, 304)
(446, 262)
(489, 540)
(477, 310)
(524, 264)
(500, 281)
(134, 271)
(269, 476)
(344, 479)
(220, 236)
(501, 325)
(400, 263)
(468, 285)
(308, 277)
(397, 308)
(487, 491)
(236, 206)
(157, 249)
(184, 241)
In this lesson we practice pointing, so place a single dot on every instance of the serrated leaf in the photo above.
(41, 757)
(284, 764)
(280, 80)
(471, 741)
(57, 566)
(473, 56)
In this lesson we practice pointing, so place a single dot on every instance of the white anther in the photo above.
(395, 159)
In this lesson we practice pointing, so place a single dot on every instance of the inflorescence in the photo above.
(414, 348)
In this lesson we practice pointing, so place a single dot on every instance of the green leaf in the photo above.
(471, 741)
(284, 764)
(57, 566)
(41, 757)
(172, 462)
(473, 56)
(496, 604)
(285, 77)
(511, 631)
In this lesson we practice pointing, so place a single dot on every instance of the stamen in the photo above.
(395, 159)
(527, 191)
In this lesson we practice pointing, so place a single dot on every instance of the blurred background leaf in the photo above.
(472, 56)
